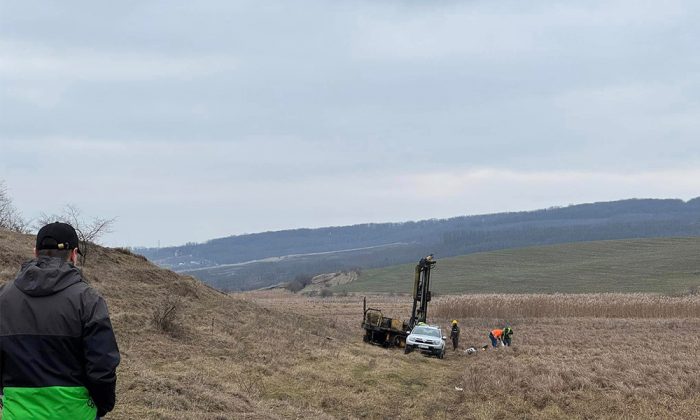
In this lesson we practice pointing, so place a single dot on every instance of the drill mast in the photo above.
(421, 291)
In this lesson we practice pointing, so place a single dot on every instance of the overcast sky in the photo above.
(191, 120)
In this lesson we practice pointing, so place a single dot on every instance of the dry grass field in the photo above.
(274, 355)
(574, 356)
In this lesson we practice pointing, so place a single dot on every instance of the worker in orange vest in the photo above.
(496, 336)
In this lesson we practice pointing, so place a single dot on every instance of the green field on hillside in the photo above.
(662, 265)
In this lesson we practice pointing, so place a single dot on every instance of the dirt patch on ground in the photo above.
(323, 281)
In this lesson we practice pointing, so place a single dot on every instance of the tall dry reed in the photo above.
(599, 305)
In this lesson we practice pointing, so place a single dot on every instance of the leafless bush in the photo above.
(167, 315)
(89, 232)
(299, 282)
(251, 383)
(10, 217)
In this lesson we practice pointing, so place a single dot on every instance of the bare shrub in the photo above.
(89, 232)
(10, 217)
(166, 315)
(299, 282)
(251, 383)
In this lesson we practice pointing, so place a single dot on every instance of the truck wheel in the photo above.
(441, 354)
(366, 337)
(407, 349)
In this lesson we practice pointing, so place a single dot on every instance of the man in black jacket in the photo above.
(58, 353)
(454, 335)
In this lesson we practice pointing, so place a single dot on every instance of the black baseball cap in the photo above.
(57, 236)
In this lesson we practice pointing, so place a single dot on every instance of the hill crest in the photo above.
(258, 260)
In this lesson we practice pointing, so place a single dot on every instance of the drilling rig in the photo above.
(387, 331)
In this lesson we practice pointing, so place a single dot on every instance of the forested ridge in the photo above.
(382, 244)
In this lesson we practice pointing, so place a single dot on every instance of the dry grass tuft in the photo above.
(167, 315)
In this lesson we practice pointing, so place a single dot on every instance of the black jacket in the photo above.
(55, 331)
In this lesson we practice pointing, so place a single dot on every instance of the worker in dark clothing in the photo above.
(58, 353)
(454, 335)
(507, 335)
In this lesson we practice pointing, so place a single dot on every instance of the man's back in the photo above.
(58, 354)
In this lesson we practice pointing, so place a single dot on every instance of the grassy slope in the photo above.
(666, 265)
(212, 365)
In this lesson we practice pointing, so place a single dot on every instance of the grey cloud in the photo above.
(283, 93)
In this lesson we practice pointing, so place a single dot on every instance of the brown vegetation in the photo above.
(280, 355)
(600, 305)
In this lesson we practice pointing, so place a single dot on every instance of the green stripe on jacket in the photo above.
(48, 403)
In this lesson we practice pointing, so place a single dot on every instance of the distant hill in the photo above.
(257, 260)
(660, 265)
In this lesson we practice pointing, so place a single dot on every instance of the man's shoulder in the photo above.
(87, 294)
(87, 290)
(6, 287)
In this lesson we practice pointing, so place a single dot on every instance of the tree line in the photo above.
(407, 242)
